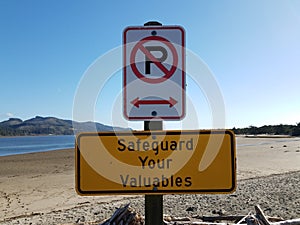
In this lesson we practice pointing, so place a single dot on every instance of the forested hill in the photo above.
(48, 126)
(292, 130)
(54, 126)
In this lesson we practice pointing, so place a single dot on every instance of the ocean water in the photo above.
(29, 144)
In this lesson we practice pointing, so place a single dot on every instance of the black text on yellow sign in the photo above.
(155, 162)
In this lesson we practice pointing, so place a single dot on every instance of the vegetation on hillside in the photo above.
(48, 126)
(54, 126)
(292, 130)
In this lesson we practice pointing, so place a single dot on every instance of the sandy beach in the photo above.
(38, 188)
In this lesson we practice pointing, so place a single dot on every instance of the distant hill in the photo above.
(49, 126)
(54, 126)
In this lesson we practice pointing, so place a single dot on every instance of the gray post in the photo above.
(153, 203)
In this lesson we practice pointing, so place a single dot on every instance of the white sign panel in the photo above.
(154, 73)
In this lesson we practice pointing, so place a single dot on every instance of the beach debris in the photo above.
(191, 209)
(260, 219)
(81, 219)
(126, 216)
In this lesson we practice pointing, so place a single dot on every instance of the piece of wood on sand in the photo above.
(123, 216)
(261, 219)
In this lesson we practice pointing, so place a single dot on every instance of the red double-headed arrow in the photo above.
(137, 102)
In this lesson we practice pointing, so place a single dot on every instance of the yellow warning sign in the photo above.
(155, 162)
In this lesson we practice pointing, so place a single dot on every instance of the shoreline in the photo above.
(41, 151)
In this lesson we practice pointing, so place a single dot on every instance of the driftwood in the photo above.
(260, 219)
(124, 216)
(219, 218)
(239, 219)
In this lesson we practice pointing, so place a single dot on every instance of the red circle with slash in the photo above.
(140, 46)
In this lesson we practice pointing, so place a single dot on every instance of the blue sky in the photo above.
(251, 47)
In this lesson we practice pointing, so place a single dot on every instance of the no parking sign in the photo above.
(154, 73)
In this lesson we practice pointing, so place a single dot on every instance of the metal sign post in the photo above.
(153, 203)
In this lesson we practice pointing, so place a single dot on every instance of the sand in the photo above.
(38, 188)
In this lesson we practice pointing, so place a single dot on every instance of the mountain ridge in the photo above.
(50, 126)
(54, 126)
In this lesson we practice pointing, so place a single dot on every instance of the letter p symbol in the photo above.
(164, 55)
